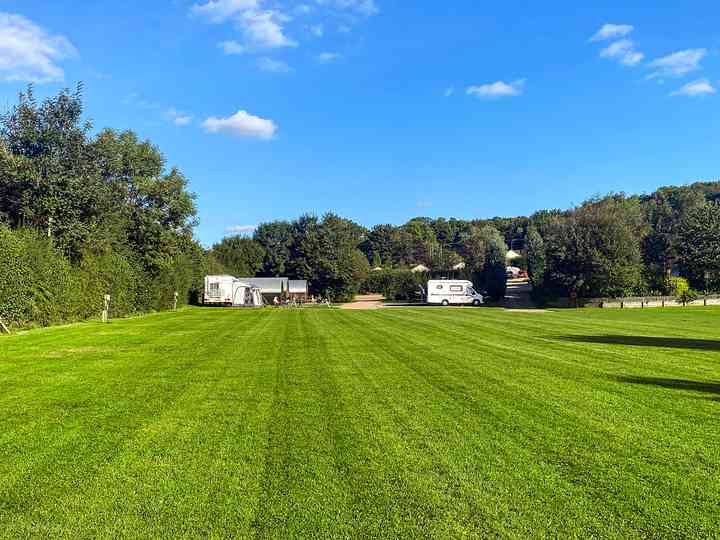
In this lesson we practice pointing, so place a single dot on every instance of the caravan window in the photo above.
(456, 288)
(439, 287)
(214, 289)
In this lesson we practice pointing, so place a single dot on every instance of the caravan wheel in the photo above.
(445, 303)
(476, 303)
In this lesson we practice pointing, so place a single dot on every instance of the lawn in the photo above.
(391, 423)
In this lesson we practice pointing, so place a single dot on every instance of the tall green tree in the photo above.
(595, 250)
(535, 249)
(275, 238)
(699, 246)
(240, 256)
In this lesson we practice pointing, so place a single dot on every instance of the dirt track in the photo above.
(366, 301)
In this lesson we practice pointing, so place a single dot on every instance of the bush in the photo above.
(16, 287)
(377, 282)
(676, 286)
(395, 284)
(39, 285)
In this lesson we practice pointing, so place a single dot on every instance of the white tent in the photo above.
(246, 295)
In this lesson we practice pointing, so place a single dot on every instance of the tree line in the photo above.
(610, 246)
(85, 214)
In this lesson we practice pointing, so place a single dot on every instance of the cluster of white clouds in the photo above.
(674, 65)
(29, 53)
(263, 26)
(623, 49)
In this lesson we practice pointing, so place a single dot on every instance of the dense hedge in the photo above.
(395, 284)
(39, 285)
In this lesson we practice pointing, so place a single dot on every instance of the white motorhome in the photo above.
(230, 291)
(445, 292)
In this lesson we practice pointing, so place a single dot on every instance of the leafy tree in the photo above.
(494, 275)
(595, 250)
(275, 238)
(699, 247)
(536, 260)
(241, 257)
(380, 245)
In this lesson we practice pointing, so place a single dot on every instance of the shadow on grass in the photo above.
(648, 341)
(672, 384)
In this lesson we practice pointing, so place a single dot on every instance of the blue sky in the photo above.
(382, 110)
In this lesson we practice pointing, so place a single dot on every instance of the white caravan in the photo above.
(230, 291)
(445, 292)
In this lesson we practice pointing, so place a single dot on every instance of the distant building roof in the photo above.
(298, 286)
(420, 268)
(459, 266)
(268, 285)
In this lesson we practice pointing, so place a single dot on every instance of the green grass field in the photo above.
(393, 423)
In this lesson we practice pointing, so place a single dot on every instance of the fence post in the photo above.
(175, 302)
(622, 303)
(106, 309)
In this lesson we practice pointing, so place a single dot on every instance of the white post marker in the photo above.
(3, 326)
(106, 309)
(175, 302)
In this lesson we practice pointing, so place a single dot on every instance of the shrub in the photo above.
(377, 282)
(676, 286)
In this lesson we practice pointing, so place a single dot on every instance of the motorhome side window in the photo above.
(214, 288)
(439, 287)
(456, 288)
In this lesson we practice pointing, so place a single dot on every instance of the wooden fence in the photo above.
(639, 302)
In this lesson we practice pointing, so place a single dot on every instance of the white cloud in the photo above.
(364, 7)
(232, 47)
(328, 57)
(612, 31)
(317, 30)
(241, 229)
(498, 89)
(261, 28)
(264, 29)
(28, 53)
(624, 51)
(241, 124)
(449, 91)
(273, 66)
(701, 87)
(218, 11)
(678, 63)
(179, 118)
